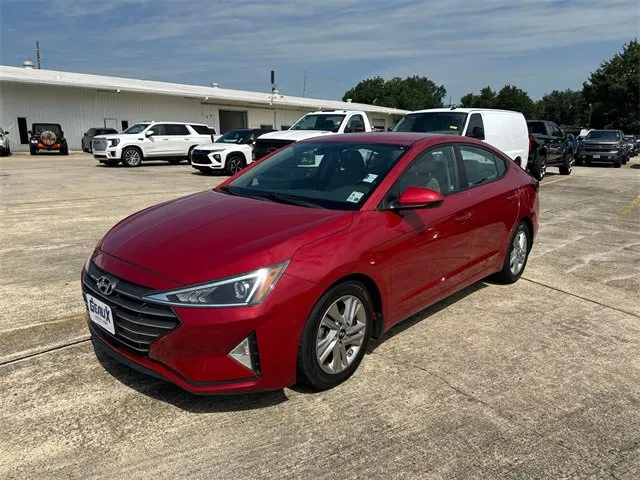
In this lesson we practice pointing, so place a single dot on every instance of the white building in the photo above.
(79, 101)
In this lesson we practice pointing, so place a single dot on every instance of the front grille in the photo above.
(137, 322)
(99, 144)
(200, 158)
(266, 146)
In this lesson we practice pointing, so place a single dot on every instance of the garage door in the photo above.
(230, 119)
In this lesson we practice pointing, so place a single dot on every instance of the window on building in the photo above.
(23, 130)
(266, 126)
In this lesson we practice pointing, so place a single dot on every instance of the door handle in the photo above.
(512, 198)
(463, 218)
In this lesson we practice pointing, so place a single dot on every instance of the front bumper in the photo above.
(195, 354)
(595, 156)
(213, 160)
(111, 153)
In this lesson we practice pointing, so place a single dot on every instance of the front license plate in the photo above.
(596, 156)
(100, 313)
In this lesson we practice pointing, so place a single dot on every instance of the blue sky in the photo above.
(538, 45)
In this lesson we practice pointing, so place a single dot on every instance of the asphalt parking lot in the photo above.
(536, 380)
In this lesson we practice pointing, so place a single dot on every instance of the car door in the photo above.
(431, 250)
(180, 139)
(157, 145)
(495, 204)
(557, 140)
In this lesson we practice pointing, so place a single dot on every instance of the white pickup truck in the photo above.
(312, 125)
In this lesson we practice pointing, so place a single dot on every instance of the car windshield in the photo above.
(234, 136)
(628, 138)
(328, 122)
(537, 128)
(450, 123)
(46, 127)
(333, 175)
(137, 128)
(606, 135)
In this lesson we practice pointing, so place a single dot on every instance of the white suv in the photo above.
(172, 141)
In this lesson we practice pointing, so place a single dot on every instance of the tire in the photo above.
(189, 155)
(320, 330)
(539, 168)
(567, 164)
(617, 164)
(32, 150)
(4, 152)
(579, 162)
(234, 164)
(515, 255)
(64, 150)
(175, 161)
(131, 157)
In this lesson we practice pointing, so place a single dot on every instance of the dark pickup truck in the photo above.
(603, 146)
(549, 146)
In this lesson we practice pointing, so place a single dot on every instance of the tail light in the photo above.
(531, 141)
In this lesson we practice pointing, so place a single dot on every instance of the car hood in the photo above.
(210, 235)
(294, 135)
(221, 147)
(600, 142)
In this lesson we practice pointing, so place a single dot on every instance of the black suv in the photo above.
(603, 146)
(48, 137)
(93, 132)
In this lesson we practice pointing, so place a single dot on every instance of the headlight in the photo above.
(238, 291)
(113, 142)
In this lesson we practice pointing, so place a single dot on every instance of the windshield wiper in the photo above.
(287, 199)
(227, 190)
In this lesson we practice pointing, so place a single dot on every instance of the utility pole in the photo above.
(304, 85)
(449, 100)
(38, 54)
(273, 93)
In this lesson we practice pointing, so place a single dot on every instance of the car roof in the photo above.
(389, 138)
(462, 110)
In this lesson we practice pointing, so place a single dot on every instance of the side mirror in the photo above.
(477, 133)
(6, 133)
(414, 198)
(149, 133)
(389, 129)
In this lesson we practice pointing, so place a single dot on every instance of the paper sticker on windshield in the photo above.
(355, 197)
(370, 178)
(453, 127)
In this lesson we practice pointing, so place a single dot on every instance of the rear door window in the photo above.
(177, 129)
(201, 129)
(481, 165)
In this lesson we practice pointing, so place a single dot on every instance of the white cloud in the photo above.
(251, 36)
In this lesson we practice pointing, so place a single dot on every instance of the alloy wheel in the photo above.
(235, 165)
(132, 157)
(340, 334)
(519, 249)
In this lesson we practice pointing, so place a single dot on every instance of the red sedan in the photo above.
(284, 272)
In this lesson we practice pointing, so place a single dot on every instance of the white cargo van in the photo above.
(503, 129)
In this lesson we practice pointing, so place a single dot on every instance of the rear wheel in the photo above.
(617, 164)
(517, 255)
(539, 168)
(32, 150)
(335, 336)
(64, 150)
(235, 163)
(131, 157)
(567, 164)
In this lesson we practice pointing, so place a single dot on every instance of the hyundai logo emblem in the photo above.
(105, 285)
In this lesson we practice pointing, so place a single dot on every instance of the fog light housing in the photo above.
(246, 354)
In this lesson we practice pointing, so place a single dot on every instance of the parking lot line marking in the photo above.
(632, 204)
(555, 181)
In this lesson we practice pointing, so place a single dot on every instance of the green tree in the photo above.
(564, 108)
(613, 91)
(513, 98)
(486, 99)
(411, 93)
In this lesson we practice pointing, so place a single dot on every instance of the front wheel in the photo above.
(131, 157)
(517, 255)
(32, 150)
(335, 336)
(617, 164)
(567, 164)
(234, 164)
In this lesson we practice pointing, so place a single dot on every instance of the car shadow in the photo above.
(635, 166)
(169, 393)
(426, 313)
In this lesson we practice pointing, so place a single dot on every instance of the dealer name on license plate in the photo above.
(596, 156)
(100, 314)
